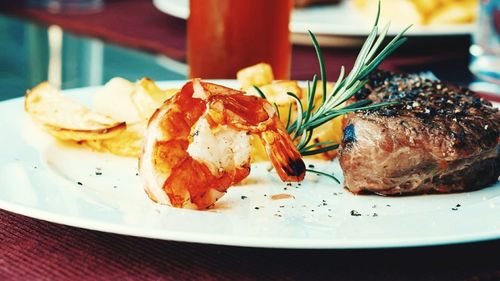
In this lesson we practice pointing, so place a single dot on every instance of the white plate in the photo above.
(329, 21)
(39, 178)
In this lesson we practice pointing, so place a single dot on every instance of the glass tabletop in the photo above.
(31, 53)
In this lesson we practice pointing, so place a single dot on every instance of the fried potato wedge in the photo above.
(255, 75)
(400, 12)
(423, 12)
(330, 131)
(455, 12)
(66, 118)
(276, 93)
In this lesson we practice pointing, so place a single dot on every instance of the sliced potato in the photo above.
(127, 143)
(130, 102)
(148, 97)
(137, 102)
(68, 119)
(115, 100)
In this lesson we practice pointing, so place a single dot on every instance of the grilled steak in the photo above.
(436, 138)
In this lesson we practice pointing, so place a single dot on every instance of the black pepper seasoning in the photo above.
(355, 213)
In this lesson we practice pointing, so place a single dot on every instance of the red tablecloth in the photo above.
(36, 250)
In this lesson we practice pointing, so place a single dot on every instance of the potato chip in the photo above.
(68, 119)
(127, 143)
(130, 102)
(148, 97)
(114, 99)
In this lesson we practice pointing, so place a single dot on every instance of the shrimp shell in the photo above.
(177, 165)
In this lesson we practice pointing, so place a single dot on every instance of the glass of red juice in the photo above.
(225, 36)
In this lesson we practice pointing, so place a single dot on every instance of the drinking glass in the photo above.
(227, 35)
(485, 48)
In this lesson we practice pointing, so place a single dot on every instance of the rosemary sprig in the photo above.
(332, 103)
(309, 118)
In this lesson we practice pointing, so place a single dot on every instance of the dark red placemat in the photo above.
(36, 250)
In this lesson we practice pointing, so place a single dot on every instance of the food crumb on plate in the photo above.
(282, 196)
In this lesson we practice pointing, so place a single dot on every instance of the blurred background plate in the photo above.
(336, 25)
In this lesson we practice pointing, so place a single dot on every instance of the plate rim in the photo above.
(256, 242)
(250, 242)
(300, 29)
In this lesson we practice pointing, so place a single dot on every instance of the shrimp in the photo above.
(197, 145)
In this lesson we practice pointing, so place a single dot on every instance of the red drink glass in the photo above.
(225, 36)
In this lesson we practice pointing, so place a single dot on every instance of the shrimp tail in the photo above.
(283, 154)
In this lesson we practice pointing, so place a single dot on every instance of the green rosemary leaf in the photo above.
(347, 85)
(322, 120)
(259, 91)
(323, 174)
(360, 60)
(379, 41)
(308, 138)
(378, 14)
(320, 150)
(304, 139)
(336, 87)
(321, 143)
(348, 93)
(332, 114)
(381, 56)
(358, 104)
(355, 89)
(289, 117)
(300, 112)
(277, 110)
(310, 97)
(321, 62)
